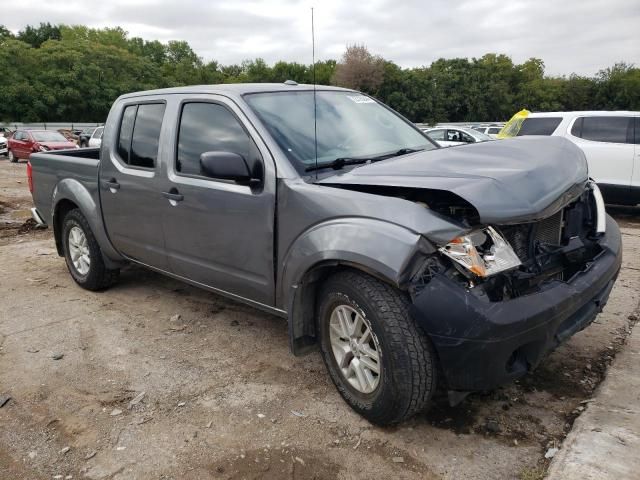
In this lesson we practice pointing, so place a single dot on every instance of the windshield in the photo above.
(47, 136)
(348, 125)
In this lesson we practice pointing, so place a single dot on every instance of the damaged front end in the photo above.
(497, 299)
(508, 261)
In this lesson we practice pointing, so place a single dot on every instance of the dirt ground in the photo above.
(215, 393)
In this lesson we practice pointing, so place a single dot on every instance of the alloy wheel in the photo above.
(355, 348)
(79, 250)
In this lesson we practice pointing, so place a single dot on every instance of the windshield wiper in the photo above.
(404, 151)
(338, 163)
(342, 162)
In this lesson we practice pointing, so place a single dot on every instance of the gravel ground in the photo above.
(215, 393)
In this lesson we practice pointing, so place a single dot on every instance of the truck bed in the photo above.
(50, 168)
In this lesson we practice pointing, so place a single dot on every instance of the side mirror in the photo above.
(225, 166)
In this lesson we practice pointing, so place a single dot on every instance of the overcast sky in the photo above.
(580, 36)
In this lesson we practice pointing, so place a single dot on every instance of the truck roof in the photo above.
(235, 89)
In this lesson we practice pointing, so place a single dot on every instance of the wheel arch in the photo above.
(388, 252)
(60, 211)
(70, 194)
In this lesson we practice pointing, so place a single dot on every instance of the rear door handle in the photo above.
(112, 184)
(173, 196)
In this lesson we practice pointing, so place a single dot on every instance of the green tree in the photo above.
(618, 87)
(60, 72)
(36, 36)
(5, 33)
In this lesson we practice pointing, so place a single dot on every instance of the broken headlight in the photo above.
(483, 252)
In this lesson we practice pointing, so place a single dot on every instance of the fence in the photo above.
(51, 126)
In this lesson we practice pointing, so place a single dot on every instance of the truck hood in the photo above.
(507, 181)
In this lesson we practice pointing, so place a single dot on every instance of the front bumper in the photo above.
(3, 150)
(483, 344)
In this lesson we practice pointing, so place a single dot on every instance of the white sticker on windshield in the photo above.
(360, 99)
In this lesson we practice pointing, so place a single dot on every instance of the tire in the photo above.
(12, 157)
(80, 244)
(407, 370)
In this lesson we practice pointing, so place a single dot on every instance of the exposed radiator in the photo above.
(549, 230)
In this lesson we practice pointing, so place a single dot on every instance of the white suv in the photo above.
(610, 141)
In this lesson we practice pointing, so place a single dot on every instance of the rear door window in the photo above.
(539, 126)
(146, 135)
(603, 129)
(637, 130)
(465, 137)
(139, 135)
(126, 129)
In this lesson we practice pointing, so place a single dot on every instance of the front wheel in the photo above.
(83, 255)
(382, 364)
(12, 157)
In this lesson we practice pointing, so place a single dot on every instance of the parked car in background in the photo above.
(452, 136)
(410, 266)
(492, 131)
(3, 146)
(6, 132)
(85, 136)
(96, 138)
(25, 142)
(610, 141)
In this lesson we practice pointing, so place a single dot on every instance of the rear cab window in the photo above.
(539, 126)
(608, 129)
(139, 135)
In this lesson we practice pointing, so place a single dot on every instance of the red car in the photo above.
(25, 142)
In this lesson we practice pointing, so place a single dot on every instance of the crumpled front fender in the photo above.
(384, 250)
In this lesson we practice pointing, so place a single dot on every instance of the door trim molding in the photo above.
(224, 293)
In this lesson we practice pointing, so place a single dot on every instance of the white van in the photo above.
(610, 141)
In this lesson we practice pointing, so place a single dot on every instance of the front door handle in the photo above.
(112, 184)
(173, 196)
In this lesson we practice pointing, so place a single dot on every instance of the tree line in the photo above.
(55, 73)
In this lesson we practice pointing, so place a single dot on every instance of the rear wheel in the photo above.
(12, 157)
(83, 255)
(382, 364)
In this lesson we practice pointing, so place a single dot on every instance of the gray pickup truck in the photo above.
(410, 266)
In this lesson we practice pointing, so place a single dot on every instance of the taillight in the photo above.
(30, 176)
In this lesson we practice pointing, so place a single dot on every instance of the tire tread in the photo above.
(413, 356)
(99, 277)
